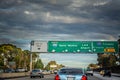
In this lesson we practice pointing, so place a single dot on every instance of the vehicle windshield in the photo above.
(35, 70)
(71, 71)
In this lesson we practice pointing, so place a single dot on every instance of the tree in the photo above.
(112, 60)
(10, 53)
(119, 49)
(27, 58)
(92, 66)
(60, 66)
(6, 53)
(107, 60)
(1, 61)
(1, 57)
(50, 63)
(39, 64)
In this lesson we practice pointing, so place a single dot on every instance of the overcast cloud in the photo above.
(24, 20)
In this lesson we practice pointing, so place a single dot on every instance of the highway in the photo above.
(51, 77)
(106, 78)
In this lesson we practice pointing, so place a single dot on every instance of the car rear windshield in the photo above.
(35, 70)
(71, 71)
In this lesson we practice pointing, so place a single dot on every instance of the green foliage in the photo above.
(12, 53)
(50, 63)
(112, 60)
(53, 68)
(39, 64)
(107, 60)
(92, 66)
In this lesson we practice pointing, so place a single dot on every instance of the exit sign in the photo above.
(69, 46)
(83, 46)
(105, 46)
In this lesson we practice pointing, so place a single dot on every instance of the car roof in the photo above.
(67, 68)
(70, 68)
(36, 69)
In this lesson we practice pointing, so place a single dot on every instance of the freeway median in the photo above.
(13, 75)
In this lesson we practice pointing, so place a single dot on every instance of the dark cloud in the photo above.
(5, 40)
(24, 20)
(6, 4)
(106, 12)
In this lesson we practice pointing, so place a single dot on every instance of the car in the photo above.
(36, 73)
(1, 70)
(46, 72)
(105, 73)
(9, 70)
(70, 74)
(89, 72)
(55, 71)
(21, 70)
(101, 72)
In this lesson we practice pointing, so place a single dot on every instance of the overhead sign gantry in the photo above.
(75, 46)
(83, 46)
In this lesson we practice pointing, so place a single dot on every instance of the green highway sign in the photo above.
(105, 46)
(83, 46)
(69, 46)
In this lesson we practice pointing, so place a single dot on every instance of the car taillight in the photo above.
(57, 77)
(84, 77)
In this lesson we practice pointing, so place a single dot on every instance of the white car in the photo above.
(36, 73)
(89, 72)
(21, 70)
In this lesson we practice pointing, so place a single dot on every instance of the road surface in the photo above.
(51, 77)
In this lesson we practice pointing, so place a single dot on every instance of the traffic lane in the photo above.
(106, 77)
(49, 77)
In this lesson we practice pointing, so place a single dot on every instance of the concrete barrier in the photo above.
(13, 75)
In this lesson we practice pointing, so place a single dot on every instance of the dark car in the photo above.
(70, 74)
(105, 73)
(1, 70)
(55, 71)
(9, 70)
(36, 73)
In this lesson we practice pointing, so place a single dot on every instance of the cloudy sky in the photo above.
(24, 20)
(70, 60)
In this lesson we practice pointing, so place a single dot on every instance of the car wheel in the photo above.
(31, 77)
(103, 75)
(109, 75)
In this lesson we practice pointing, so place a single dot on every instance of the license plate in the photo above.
(70, 78)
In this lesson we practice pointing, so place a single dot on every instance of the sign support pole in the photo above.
(30, 58)
(30, 61)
